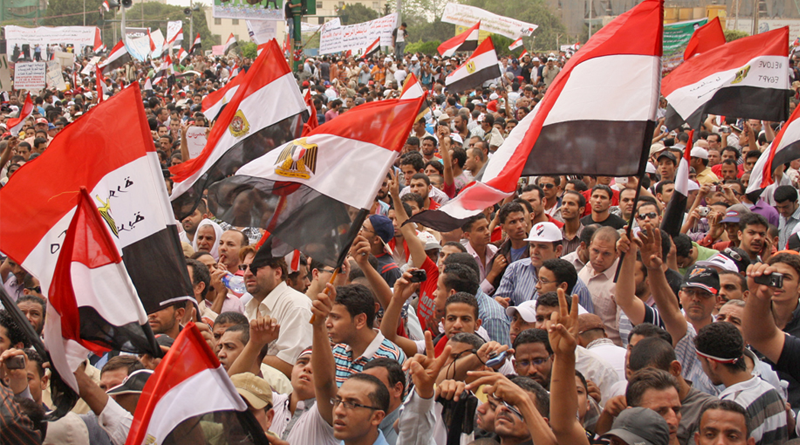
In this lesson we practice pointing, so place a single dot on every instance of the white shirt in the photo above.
(310, 427)
(116, 421)
(292, 310)
(594, 368)
(613, 354)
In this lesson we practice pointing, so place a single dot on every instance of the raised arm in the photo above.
(758, 324)
(262, 332)
(415, 247)
(626, 284)
(649, 242)
(184, 144)
(322, 355)
(360, 252)
(391, 315)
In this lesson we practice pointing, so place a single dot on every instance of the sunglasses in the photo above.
(253, 267)
(547, 185)
(732, 254)
(651, 215)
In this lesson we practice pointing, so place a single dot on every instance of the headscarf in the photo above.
(217, 234)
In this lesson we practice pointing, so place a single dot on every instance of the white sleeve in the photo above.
(417, 421)
(116, 421)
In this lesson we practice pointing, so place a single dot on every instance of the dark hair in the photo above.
(413, 159)
(435, 164)
(648, 378)
(533, 335)
(435, 143)
(358, 299)
(129, 362)
(232, 318)
(683, 245)
(556, 179)
(579, 185)
(653, 352)
(462, 297)
(752, 154)
(531, 386)
(660, 185)
(243, 329)
(788, 259)
(524, 203)
(581, 198)
(564, 272)
(507, 209)
(460, 155)
(415, 197)
(200, 274)
(422, 176)
(752, 219)
(379, 397)
(34, 299)
(467, 226)
(722, 340)
(394, 371)
(730, 148)
(13, 330)
(648, 330)
(550, 299)
(461, 278)
(587, 233)
(532, 187)
(34, 356)
(465, 259)
(729, 406)
(468, 338)
(785, 193)
(741, 278)
(604, 188)
(457, 245)
(413, 140)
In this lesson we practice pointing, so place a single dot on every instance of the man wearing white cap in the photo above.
(699, 161)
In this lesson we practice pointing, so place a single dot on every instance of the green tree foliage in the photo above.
(532, 11)
(424, 8)
(356, 13)
(429, 47)
(420, 29)
(63, 7)
(249, 49)
(734, 34)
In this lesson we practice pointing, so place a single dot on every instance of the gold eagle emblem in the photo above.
(105, 212)
(741, 74)
(297, 160)
(471, 67)
(239, 125)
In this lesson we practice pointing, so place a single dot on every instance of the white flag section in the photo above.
(173, 29)
(358, 36)
(464, 15)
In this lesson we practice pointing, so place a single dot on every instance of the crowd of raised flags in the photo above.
(381, 248)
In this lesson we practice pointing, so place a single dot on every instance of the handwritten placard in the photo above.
(30, 75)
(195, 140)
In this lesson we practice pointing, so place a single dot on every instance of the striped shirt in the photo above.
(15, 426)
(493, 318)
(346, 365)
(765, 409)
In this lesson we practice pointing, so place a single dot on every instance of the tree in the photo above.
(734, 34)
(356, 13)
(422, 30)
(63, 12)
(429, 9)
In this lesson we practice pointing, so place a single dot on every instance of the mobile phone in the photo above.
(774, 279)
(418, 276)
(16, 362)
(492, 362)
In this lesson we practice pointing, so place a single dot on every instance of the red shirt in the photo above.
(426, 310)
(588, 194)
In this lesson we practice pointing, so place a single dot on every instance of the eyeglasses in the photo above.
(697, 293)
(535, 362)
(328, 271)
(732, 254)
(364, 228)
(547, 185)
(253, 268)
(37, 289)
(509, 407)
(651, 215)
(545, 281)
(351, 405)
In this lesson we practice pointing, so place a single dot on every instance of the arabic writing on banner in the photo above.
(30, 75)
(359, 36)
(676, 37)
(248, 9)
(468, 16)
(45, 35)
(54, 77)
(262, 31)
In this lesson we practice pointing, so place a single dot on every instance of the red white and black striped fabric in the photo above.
(182, 54)
(783, 149)
(189, 382)
(177, 37)
(110, 151)
(313, 121)
(244, 130)
(196, 45)
(92, 304)
(100, 85)
(98, 42)
(481, 66)
(15, 124)
(305, 193)
(515, 44)
(608, 135)
(106, 5)
(152, 44)
(212, 104)
(747, 78)
(118, 57)
(466, 41)
(676, 207)
(706, 37)
(372, 49)
(230, 45)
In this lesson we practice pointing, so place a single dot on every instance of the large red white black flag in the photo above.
(746, 78)
(607, 134)
(783, 149)
(481, 66)
(466, 41)
(110, 151)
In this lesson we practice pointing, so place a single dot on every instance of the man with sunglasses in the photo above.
(648, 212)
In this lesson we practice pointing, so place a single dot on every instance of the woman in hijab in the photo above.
(207, 238)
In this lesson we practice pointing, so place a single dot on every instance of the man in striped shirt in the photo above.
(350, 328)
(720, 347)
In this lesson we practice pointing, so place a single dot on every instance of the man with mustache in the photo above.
(753, 237)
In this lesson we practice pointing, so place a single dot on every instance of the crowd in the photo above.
(543, 319)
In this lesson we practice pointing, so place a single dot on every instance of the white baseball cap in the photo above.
(455, 137)
(545, 232)
(429, 240)
(720, 262)
(526, 311)
(699, 152)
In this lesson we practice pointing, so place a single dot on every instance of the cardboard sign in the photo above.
(195, 140)
(54, 77)
(30, 76)
(89, 68)
(357, 36)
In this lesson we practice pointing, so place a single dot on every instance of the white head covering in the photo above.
(217, 234)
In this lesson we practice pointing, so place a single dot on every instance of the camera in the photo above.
(774, 279)
(702, 211)
(418, 276)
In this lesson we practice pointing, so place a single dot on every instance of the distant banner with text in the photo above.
(676, 37)
(30, 76)
(468, 16)
(358, 36)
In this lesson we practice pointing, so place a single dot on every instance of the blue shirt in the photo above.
(493, 318)
(519, 284)
(347, 365)
(379, 441)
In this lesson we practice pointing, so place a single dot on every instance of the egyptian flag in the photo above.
(784, 149)
(182, 54)
(110, 151)
(524, 53)
(118, 57)
(80, 314)
(230, 45)
(176, 38)
(244, 130)
(313, 122)
(466, 41)
(15, 124)
(98, 42)
(676, 207)
(481, 66)
(161, 74)
(608, 135)
(747, 78)
(148, 85)
(196, 45)
(412, 89)
(305, 193)
(189, 383)
(515, 44)
(212, 104)
(706, 37)
(106, 6)
(372, 49)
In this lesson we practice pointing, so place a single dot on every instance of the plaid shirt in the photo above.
(379, 347)
(15, 427)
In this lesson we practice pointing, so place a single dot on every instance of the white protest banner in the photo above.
(78, 36)
(195, 140)
(173, 28)
(30, 75)
(358, 36)
(158, 40)
(89, 68)
(262, 31)
(464, 15)
(5, 74)
(54, 77)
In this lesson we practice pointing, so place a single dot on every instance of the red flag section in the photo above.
(16, 124)
(188, 382)
(313, 122)
(706, 37)
(784, 149)
(466, 41)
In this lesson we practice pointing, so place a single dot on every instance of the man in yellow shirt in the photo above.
(699, 161)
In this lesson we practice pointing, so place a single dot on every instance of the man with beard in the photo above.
(572, 207)
(191, 222)
(753, 237)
